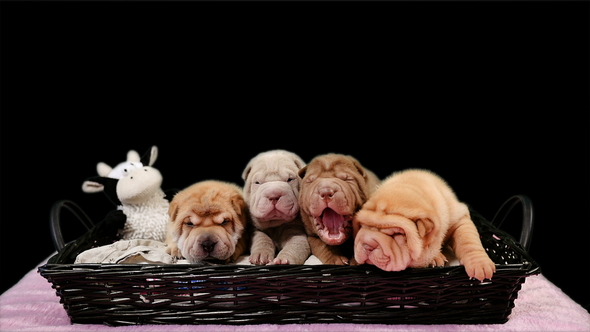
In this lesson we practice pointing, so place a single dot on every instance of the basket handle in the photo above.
(54, 220)
(526, 233)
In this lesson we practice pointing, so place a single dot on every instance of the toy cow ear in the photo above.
(100, 183)
(92, 187)
(132, 155)
(149, 158)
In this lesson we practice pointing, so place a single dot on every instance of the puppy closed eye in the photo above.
(311, 178)
(393, 230)
(188, 222)
(225, 222)
(347, 178)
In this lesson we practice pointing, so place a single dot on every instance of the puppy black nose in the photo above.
(208, 245)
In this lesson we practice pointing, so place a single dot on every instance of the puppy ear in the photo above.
(246, 171)
(425, 226)
(239, 204)
(302, 171)
(173, 210)
(299, 163)
(360, 168)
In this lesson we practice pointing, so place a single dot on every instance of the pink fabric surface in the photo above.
(32, 305)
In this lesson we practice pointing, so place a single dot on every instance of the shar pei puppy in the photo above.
(408, 221)
(333, 189)
(271, 192)
(208, 222)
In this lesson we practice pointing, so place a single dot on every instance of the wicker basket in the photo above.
(125, 294)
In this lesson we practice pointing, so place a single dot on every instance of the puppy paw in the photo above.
(479, 267)
(261, 257)
(279, 261)
(173, 250)
(439, 260)
(336, 260)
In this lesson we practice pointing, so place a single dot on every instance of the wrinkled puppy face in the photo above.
(333, 188)
(206, 220)
(391, 242)
(272, 187)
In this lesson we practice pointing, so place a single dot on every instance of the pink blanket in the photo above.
(31, 305)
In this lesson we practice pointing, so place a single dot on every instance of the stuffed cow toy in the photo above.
(134, 186)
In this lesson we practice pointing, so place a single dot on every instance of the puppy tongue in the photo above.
(333, 221)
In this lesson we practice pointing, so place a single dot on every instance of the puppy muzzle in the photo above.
(387, 252)
(274, 200)
(331, 209)
(206, 246)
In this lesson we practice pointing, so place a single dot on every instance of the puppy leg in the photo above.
(353, 262)
(325, 253)
(241, 247)
(295, 250)
(465, 242)
(262, 250)
(172, 247)
(438, 260)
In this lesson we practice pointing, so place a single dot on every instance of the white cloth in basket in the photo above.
(135, 251)
(145, 251)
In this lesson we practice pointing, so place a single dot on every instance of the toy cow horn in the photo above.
(149, 158)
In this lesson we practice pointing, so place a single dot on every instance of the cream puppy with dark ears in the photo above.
(410, 218)
(208, 222)
(271, 190)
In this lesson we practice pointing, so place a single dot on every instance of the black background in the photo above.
(493, 96)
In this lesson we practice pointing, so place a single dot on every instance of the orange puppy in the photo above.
(409, 219)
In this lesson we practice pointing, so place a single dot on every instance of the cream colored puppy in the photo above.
(409, 219)
(271, 189)
(208, 221)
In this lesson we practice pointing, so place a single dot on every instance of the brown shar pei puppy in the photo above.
(410, 218)
(271, 191)
(208, 221)
(333, 189)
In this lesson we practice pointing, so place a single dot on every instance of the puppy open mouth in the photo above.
(333, 228)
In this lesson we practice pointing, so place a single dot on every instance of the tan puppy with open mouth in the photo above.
(410, 218)
(333, 188)
(271, 191)
(208, 221)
